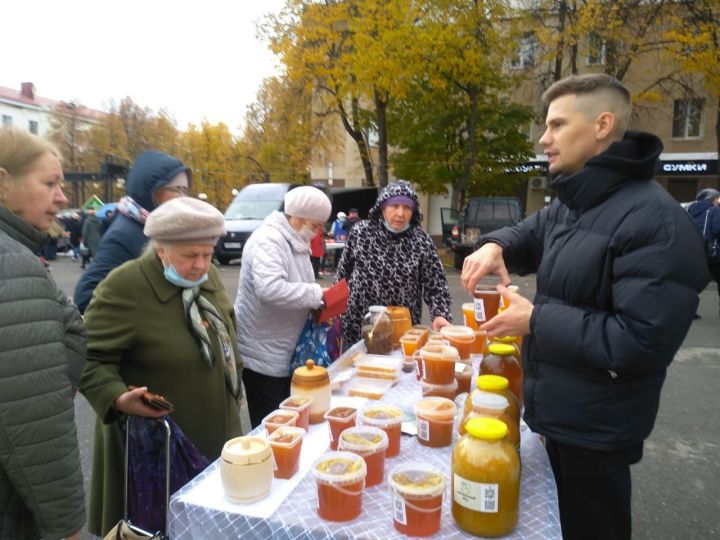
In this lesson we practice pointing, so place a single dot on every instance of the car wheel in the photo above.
(459, 259)
(223, 260)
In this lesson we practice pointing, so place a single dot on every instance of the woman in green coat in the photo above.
(139, 335)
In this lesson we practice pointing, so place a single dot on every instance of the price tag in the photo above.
(399, 512)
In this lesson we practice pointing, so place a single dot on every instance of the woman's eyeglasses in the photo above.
(180, 190)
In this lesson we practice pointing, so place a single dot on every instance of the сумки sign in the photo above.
(702, 167)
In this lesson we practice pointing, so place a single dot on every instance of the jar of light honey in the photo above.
(486, 404)
(340, 478)
(314, 381)
(417, 490)
(370, 443)
(435, 421)
(502, 359)
(495, 384)
(386, 417)
(485, 482)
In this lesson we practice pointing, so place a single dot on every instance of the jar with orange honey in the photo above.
(485, 480)
(279, 418)
(502, 359)
(463, 376)
(435, 420)
(286, 444)
(370, 443)
(485, 404)
(468, 309)
(301, 405)
(417, 490)
(439, 363)
(495, 384)
(340, 478)
(460, 337)
(487, 302)
(339, 419)
(386, 417)
(401, 323)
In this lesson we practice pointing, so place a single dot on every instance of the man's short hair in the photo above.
(608, 94)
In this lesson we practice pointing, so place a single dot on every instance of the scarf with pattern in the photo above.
(198, 310)
(128, 207)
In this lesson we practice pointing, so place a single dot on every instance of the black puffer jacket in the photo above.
(619, 267)
(391, 269)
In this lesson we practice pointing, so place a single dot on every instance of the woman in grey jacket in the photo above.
(42, 352)
(276, 292)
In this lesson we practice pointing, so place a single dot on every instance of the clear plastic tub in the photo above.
(368, 388)
(278, 418)
(440, 390)
(301, 405)
(286, 444)
(386, 417)
(418, 490)
(339, 419)
(439, 363)
(435, 421)
(340, 478)
(460, 337)
(377, 366)
(370, 443)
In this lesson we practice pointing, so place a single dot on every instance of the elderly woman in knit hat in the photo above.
(276, 292)
(163, 323)
(390, 261)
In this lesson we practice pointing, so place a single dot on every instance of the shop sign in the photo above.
(699, 167)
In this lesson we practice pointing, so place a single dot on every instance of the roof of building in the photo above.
(17, 96)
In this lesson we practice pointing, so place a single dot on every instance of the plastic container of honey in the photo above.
(478, 346)
(286, 444)
(485, 482)
(435, 420)
(279, 418)
(502, 359)
(460, 337)
(401, 323)
(301, 405)
(370, 443)
(468, 309)
(368, 388)
(448, 391)
(314, 381)
(417, 490)
(487, 302)
(375, 366)
(495, 384)
(463, 376)
(409, 343)
(386, 417)
(486, 404)
(439, 363)
(339, 419)
(246, 469)
(422, 334)
(340, 478)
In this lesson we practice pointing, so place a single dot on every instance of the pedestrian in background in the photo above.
(339, 233)
(705, 211)
(90, 236)
(42, 352)
(619, 268)
(276, 292)
(390, 261)
(317, 250)
(162, 322)
(154, 178)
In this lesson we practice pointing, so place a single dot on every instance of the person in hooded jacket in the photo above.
(619, 268)
(154, 178)
(276, 292)
(705, 211)
(390, 261)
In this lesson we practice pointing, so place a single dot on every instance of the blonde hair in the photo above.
(19, 150)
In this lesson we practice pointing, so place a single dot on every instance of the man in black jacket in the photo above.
(619, 267)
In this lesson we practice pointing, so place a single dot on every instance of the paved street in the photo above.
(676, 485)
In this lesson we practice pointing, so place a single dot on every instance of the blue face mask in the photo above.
(389, 228)
(176, 279)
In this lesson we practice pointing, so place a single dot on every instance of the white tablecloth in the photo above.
(297, 517)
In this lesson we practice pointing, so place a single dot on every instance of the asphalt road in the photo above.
(675, 486)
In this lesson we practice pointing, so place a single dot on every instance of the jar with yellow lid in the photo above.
(487, 405)
(507, 340)
(485, 479)
(502, 359)
(495, 384)
(314, 381)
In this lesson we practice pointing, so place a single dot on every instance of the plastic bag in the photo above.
(313, 344)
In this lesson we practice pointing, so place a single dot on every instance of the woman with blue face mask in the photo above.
(389, 260)
(162, 322)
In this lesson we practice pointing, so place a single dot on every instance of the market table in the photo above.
(200, 510)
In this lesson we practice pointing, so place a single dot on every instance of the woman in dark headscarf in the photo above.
(389, 260)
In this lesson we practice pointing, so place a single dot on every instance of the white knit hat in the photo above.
(185, 219)
(307, 202)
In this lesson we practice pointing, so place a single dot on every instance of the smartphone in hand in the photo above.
(155, 401)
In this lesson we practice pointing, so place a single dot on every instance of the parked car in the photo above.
(481, 215)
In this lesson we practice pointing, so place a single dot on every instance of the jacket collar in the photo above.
(634, 158)
(278, 221)
(152, 267)
(21, 231)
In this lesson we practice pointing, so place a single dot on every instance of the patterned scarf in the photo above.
(198, 309)
(128, 207)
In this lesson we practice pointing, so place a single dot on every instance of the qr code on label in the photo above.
(399, 510)
(489, 499)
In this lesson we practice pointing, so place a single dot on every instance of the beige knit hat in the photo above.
(307, 202)
(185, 220)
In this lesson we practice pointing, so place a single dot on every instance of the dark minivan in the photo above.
(481, 215)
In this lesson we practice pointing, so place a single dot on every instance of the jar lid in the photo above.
(457, 330)
(398, 312)
(492, 382)
(435, 407)
(488, 400)
(286, 436)
(489, 429)
(380, 415)
(363, 440)
(431, 387)
(311, 374)
(504, 339)
(338, 468)
(246, 450)
(377, 309)
(417, 479)
(501, 349)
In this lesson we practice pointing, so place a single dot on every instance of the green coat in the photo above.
(137, 335)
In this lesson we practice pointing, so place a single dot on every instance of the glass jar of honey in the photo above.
(485, 404)
(386, 417)
(314, 381)
(507, 340)
(485, 480)
(435, 420)
(417, 498)
(502, 359)
(340, 478)
(495, 384)
(377, 330)
(401, 323)
(370, 443)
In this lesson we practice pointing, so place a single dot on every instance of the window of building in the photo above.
(33, 127)
(7, 120)
(525, 57)
(687, 118)
(596, 50)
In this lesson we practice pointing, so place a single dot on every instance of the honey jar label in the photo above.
(330, 431)
(423, 427)
(474, 495)
(399, 513)
(479, 309)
